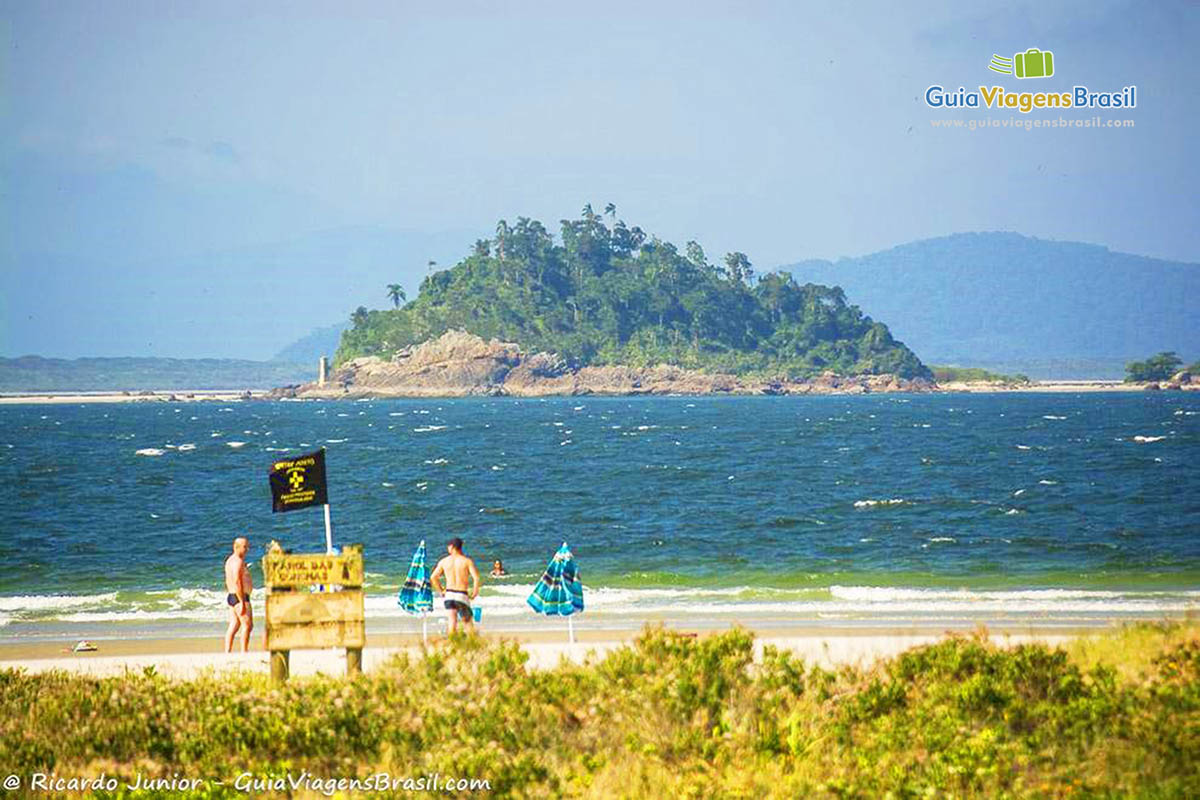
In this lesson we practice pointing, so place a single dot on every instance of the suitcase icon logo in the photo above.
(1033, 63)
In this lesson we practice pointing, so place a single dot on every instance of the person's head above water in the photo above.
(499, 564)
(455, 545)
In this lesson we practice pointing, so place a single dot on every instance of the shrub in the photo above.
(668, 716)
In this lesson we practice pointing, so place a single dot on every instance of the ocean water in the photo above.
(1005, 508)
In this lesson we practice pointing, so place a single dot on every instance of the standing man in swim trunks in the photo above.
(456, 580)
(238, 586)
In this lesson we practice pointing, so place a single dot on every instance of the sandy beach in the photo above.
(1052, 387)
(155, 396)
(191, 657)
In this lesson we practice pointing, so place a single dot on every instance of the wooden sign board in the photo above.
(304, 620)
(307, 569)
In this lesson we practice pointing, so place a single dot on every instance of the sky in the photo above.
(217, 179)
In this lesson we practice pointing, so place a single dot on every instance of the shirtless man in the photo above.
(238, 585)
(456, 580)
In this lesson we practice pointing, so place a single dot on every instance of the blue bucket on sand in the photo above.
(478, 612)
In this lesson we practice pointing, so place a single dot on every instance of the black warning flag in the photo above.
(299, 482)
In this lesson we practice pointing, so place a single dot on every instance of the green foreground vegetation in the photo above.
(973, 375)
(610, 294)
(1117, 715)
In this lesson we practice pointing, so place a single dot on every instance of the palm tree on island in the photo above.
(396, 294)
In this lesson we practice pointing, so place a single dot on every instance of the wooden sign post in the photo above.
(301, 619)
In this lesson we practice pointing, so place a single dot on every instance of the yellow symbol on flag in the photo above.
(296, 479)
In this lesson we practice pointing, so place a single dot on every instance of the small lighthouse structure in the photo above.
(322, 370)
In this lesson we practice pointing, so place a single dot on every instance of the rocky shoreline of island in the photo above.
(461, 364)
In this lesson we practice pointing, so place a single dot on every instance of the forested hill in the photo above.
(1002, 300)
(607, 293)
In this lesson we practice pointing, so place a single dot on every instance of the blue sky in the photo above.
(216, 179)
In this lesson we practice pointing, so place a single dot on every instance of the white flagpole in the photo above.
(328, 532)
(571, 628)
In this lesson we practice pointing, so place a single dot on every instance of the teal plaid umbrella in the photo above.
(560, 591)
(416, 595)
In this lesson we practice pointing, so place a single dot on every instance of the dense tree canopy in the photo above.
(611, 294)
(1156, 368)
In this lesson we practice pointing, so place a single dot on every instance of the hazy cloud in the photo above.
(222, 151)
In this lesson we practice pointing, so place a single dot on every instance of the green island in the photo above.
(609, 294)
(671, 715)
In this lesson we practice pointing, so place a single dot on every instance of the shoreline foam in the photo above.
(503, 605)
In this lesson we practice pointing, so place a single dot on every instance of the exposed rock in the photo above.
(1183, 377)
(459, 363)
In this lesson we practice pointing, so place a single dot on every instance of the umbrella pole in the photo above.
(424, 629)
(571, 629)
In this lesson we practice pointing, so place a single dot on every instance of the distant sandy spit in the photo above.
(1074, 387)
(164, 396)
(231, 395)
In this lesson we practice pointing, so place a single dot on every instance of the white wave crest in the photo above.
(506, 601)
(45, 602)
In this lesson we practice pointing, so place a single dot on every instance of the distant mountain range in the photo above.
(243, 302)
(309, 349)
(1015, 303)
(1002, 301)
(37, 374)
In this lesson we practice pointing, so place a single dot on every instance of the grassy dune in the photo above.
(671, 716)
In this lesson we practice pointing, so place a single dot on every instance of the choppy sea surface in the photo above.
(1042, 509)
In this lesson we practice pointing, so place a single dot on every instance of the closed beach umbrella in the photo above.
(559, 593)
(416, 595)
